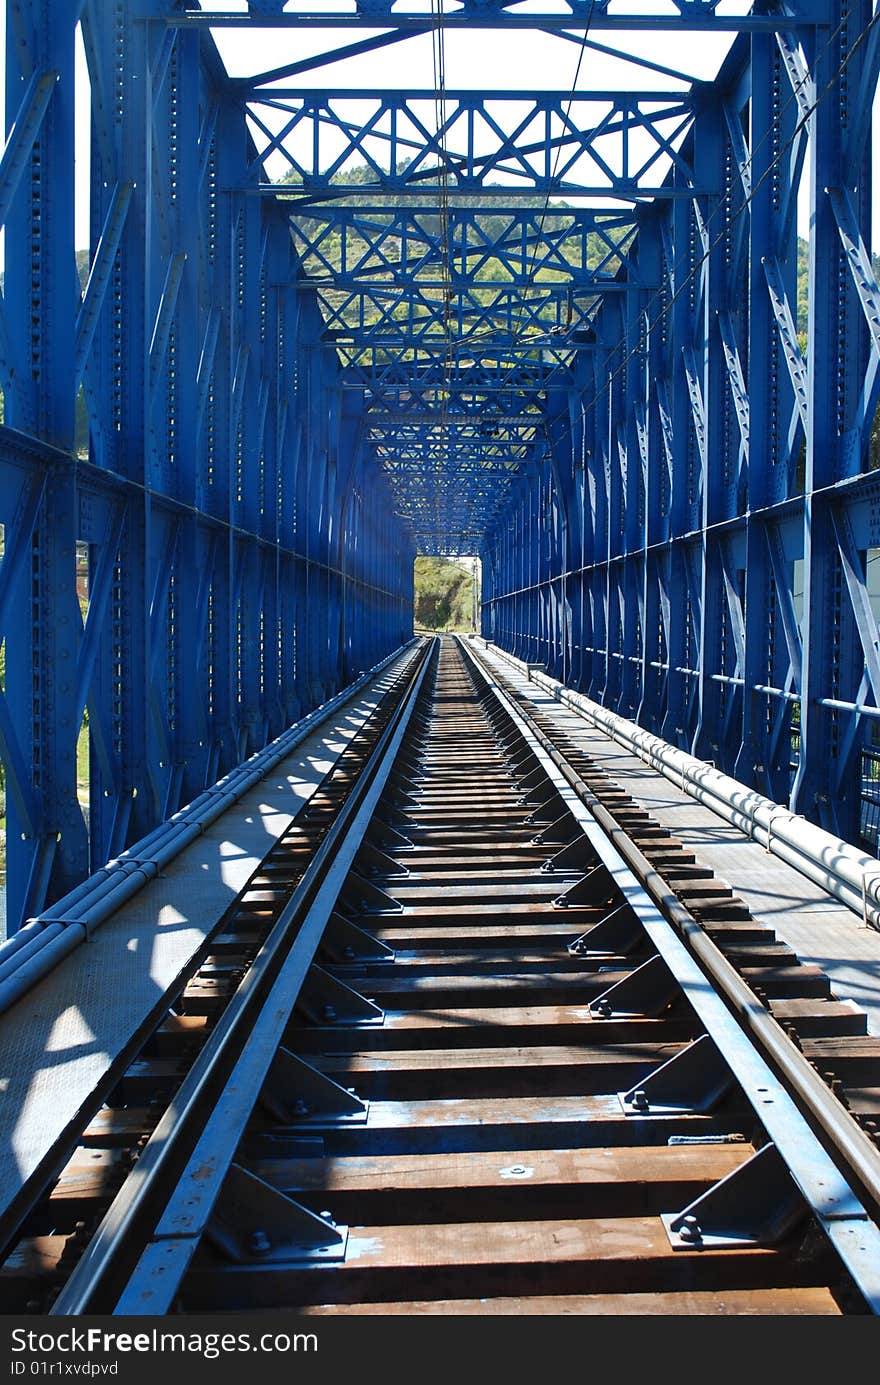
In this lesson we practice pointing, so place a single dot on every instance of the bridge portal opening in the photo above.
(83, 739)
(447, 592)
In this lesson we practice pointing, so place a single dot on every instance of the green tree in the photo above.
(444, 595)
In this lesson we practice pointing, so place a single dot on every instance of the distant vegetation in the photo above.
(444, 597)
(553, 218)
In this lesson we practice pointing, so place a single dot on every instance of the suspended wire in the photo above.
(438, 54)
(530, 276)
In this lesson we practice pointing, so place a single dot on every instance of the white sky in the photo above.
(526, 61)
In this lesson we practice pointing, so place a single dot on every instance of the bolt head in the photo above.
(690, 1230)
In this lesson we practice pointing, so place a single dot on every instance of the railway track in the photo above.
(456, 1049)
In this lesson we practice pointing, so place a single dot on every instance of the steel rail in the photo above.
(852, 1232)
(857, 1150)
(27, 956)
(180, 1172)
(15, 1203)
(836, 866)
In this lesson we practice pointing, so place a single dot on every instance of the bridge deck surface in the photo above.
(67, 1036)
(820, 930)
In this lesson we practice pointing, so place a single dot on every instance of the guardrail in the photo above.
(850, 875)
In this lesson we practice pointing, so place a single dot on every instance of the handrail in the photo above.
(850, 875)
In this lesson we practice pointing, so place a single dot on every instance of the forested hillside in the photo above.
(444, 595)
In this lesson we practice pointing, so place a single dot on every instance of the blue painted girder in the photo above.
(550, 143)
(499, 246)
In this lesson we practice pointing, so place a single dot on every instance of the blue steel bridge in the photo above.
(584, 906)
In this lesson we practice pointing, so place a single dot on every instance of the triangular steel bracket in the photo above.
(596, 887)
(295, 1093)
(692, 1082)
(547, 813)
(577, 855)
(505, 738)
(532, 780)
(404, 778)
(522, 757)
(324, 999)
(395, 817)
(382, 834)
(756, 1205)
(256, 1224)
(372, 860)
(361, 896)
(399, 775)
(344, 942)
(559, 833)
(409, 764)
(398, 797)
(617, 934)
(647, 991)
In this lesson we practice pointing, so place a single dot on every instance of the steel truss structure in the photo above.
(241, 565)
(696, 555)
(324, 327)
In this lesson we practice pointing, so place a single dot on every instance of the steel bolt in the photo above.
(603, 1007)
(640, 1100)
(690, 1229)
(299, 1107)
(327, 1216)
(258, 1242)
(329, 1013)
(348, 953)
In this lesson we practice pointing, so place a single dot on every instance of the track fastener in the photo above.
(690, 1230)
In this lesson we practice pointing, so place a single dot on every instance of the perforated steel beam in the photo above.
(724, 590)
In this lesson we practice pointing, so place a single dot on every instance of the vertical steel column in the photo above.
(833, 662)
(44, 632)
